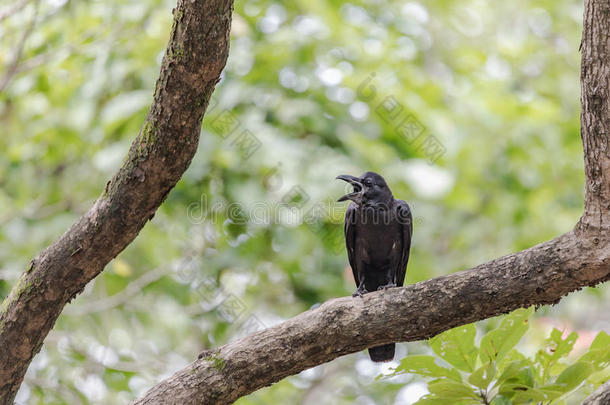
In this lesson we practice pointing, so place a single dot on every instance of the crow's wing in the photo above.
(403, 214)
(350, 239)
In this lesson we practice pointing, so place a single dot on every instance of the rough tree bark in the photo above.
(195, 56)
(197, 51)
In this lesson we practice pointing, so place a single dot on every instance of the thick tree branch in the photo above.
(536, 276)
(195, 56)
(595, 113)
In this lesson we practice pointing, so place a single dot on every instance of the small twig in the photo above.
(483, 395)
(9, 11)
(12, 68)
(132, 289)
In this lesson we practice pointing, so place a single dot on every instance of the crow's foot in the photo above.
(359, 292)
(385, 287)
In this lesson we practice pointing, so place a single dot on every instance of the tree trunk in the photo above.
(195, 56)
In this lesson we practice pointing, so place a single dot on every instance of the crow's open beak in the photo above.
(355, 182)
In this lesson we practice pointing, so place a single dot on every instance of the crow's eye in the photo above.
(368, 183)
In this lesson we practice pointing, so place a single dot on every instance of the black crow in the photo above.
(378, 231)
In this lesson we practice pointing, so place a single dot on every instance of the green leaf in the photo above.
(599, 352)
(511, 370)
(555, 349)
(600, 377)
(512, 355)
(572, 376)
(501, 400)
(601, 341)
(510, 389)
(482, 376)
(534, 395)
(498, 342)
(456, 347)
(431, 400)
(426, 367)
(522, 380)
(452, 390)
(599, 358)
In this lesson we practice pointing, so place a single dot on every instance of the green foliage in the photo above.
(426, 366)
(497, 343)
(503, 375)
(456, 347)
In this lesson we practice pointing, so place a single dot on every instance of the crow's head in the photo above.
(369, 189)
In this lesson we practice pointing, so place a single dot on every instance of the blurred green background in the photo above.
(470, 109)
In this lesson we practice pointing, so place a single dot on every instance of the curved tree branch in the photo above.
(195, 56)
(536, 276)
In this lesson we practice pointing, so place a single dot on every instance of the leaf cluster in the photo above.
(495, 372)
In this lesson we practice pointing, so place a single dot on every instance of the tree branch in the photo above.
(536, 276)
(594, 117)
(12, 68)
(195, 56)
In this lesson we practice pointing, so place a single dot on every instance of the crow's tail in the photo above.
(382, 353)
